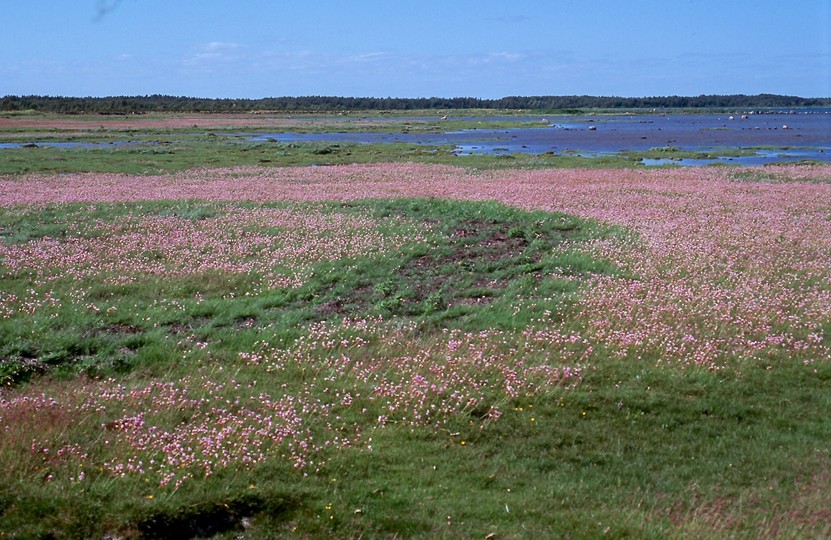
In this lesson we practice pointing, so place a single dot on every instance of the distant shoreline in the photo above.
(319, 104)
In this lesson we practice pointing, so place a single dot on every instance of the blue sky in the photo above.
(424, 48)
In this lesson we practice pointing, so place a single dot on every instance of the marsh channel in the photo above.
(739, 138)
(657, 138)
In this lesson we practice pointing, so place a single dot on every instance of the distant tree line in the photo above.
(161, 103)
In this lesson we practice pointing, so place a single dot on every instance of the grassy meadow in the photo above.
(206, 345)
(155, 144)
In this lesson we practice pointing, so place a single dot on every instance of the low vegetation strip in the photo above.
(157, 103)
(122, 279)
(187, 355)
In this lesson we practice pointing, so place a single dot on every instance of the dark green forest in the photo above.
(162, 103)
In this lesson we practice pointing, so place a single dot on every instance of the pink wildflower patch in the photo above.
(277, 245)
(717, 270)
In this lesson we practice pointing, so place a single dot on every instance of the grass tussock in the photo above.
(415, 367)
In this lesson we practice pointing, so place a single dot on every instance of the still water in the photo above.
(771, 137)
(762, 136)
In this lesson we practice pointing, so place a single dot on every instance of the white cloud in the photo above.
(215, 52)
(216, 46)
(510, 57)
(370, 57)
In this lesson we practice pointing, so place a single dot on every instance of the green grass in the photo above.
(631, 450)
(194, 150)
(761, 175)
(622, 455)
(673, 152)
(187, 154)
(479, 263)
(168, 150)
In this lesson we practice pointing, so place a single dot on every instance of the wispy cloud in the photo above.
(215, 52)
(370, 57)
(505, 57)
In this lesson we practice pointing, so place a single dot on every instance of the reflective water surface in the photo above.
(753, 138)
(765, 138)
